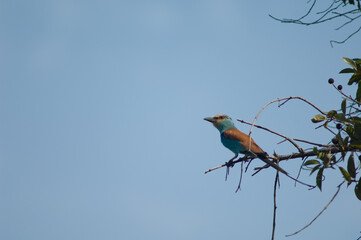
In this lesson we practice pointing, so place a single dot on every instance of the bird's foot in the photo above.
(230, 163)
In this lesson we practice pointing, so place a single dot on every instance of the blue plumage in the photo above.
(237, 141)
(232, 145)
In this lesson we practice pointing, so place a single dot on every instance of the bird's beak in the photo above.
(209, 119)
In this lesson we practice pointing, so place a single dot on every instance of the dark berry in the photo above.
(334, 140)
(338, 125)
(359, 158)
(339, 87)
(330, 81)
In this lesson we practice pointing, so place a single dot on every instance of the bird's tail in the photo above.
(264, 158)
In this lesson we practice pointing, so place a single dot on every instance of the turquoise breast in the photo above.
(232, 145)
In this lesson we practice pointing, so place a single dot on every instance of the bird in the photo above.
(237, 141)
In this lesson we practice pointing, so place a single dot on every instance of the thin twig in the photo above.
(349, 97)
(319, 20)
(212, 169)
(330, 13)
(300, 169)
(309, 10)
(286, 99)
(274, 205)
(312, 143)
(348, 22)
(333, 198)
(333, 41)
(276, 133)
(327, 8)
(330, 130)
(258, 169)
(240, 178)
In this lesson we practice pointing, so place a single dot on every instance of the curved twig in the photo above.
(328, 204)
(286, 99)
(330, 13)
(276, 133)
(240, 178)
(340, 91)
(350, 21)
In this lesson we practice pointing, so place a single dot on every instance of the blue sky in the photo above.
(102, 130)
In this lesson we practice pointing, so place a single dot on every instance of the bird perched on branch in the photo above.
(237, 141)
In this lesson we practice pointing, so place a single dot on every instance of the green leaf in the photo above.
(319, 178)
(358, 129)
(331, 113)
(322, 156)
(350, 62)
(354, 78)
(339, 138)
(354, 133)
(311, 162)
(343, 105)
(340, 117)
(351, 166)
(358, 63)
(315, 150)
(318, 118)
(315, 168)
(346, 175)
(358, 189)
(347, 70)
(357, 146)
(356, 143)
(355, 120)
(350, 131)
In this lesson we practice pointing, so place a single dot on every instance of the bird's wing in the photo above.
(236, 135)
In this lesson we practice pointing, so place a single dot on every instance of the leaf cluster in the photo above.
(352, 2)
(347, 122)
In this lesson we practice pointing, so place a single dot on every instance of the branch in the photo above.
(276, 133)
(332, 41)
(330, 13)
(328, 204)
(351, 20)
(331, 5)
(329, 149)
(286, 99)
(319, 20)
(312, 143)
(309, 10)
